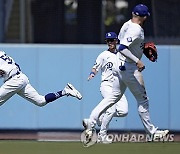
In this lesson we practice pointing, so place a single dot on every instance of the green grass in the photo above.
(35, 147)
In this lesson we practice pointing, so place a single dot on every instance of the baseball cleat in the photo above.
(88, 137)
(160, 134)
(105, 139)
(71, 91)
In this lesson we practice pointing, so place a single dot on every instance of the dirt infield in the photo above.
(75, 135)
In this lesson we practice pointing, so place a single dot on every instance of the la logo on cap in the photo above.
(109, 34)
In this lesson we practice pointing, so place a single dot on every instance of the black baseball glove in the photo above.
(150, 51)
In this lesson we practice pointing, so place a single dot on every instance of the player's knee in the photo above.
(40, 102)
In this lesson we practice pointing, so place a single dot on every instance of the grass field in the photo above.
(35, 147)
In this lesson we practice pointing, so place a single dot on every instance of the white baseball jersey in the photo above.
(15, 82)
(107, 62)
(132, 36)
(8, 65)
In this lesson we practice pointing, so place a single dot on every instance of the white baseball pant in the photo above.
(120, 109)
(132, 79)
(19, 84)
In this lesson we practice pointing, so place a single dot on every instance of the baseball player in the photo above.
(131, 38)
(16, 82)
(106, 62)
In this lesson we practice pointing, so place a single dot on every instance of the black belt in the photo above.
(13, 75)
(105, 80)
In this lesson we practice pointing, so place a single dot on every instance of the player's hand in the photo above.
(140, 66)
(90, 77)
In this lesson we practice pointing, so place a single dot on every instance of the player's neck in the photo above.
(136, 21)
(112, 50)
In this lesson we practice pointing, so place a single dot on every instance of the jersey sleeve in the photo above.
(132, 33)
(98, 62)
(7, 64)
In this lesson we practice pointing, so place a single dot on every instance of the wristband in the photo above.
(92, 73)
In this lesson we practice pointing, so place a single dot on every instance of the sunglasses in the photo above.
(110, 40)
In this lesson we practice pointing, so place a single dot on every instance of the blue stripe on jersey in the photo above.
(122, 47)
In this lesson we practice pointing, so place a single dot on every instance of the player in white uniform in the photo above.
(16, 82)
(106, 62)
(131, 46)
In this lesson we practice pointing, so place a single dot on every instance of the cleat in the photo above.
(71, 91)
(105, 139)
(88, 136)
(160, 134)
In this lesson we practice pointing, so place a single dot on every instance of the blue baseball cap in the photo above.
(141, 10)
(111, 35)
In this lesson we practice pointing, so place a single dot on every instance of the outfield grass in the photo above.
(35, 147)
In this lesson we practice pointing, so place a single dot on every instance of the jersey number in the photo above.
(6, 58)
(109, 65)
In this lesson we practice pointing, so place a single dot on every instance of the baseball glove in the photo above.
(150, 51)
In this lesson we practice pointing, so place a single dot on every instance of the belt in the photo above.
(104, 80)
(13, 75)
